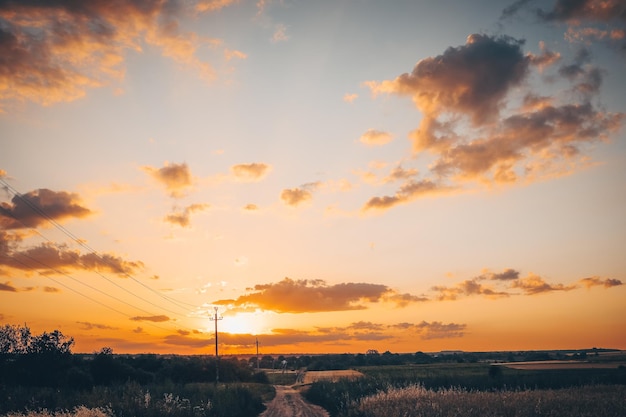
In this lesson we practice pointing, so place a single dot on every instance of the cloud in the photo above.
(305, 296)
(599, 282)
(250, 172)
(213, 5)
(403, 300)
(373, 137)
(48, 256)
(410, 191)
(55, 51)
(176, 178)
(182, 218)
(251, 207)
(183, 340)
(399, 173)
(280, 33)
(575, 11)
(295, 196)
(588, 20)
(357, 331)
(508, 274)
(85, 325)
(38, 207)
(534, 284)
(51, 289)
(474, 128)
(472, 79)
(155, 319)
(231, 54)
(7, 286)
(467, 288)
(438, 330)
(350, 97)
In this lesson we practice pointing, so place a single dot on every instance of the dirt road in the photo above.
(289, 403)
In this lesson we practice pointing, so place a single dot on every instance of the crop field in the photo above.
(594, 401)
(537, 365)
(315, 376)
(477, 389)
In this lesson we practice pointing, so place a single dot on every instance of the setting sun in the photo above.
(243, 323)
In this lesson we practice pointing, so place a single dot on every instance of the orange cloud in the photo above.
(295, 196)
(85, 325)
(56, 51)
(175, 177)
(302, 296)
(410, 191)
(599, 282)
(212, 5)
(156, 319)
(8, 287)
(38, 207)
(467, 288)
(182, 218)
(433, 330)
(375, 137)
(250, 172)
(48, 256)
(534, 284)
(349, 98)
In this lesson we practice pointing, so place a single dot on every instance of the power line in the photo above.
(89, 286)
(38, 210)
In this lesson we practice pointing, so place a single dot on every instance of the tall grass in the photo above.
(76, 412)
(417, 401)
(340, 397)
(132, 399)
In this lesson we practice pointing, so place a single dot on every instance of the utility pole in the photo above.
(257, 354)
(215, 318)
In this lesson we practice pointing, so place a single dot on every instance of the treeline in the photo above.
(373, 358)
(46, 360)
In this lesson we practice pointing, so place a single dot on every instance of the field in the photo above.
(478, 389)
(315, 376)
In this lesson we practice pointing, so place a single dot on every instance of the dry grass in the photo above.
(77, 412)
(416, 401)
(314, 376)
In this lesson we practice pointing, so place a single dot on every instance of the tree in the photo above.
(14, 339)
(52, 344)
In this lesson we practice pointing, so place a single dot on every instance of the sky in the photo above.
(321, 177)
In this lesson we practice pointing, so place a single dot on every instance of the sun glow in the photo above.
(244, 323)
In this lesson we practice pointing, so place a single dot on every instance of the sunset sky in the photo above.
(334, 176)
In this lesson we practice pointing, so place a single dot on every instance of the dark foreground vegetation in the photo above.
(41, 377)
(40, 372)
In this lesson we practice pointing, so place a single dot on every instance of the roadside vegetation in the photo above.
(39, 373)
